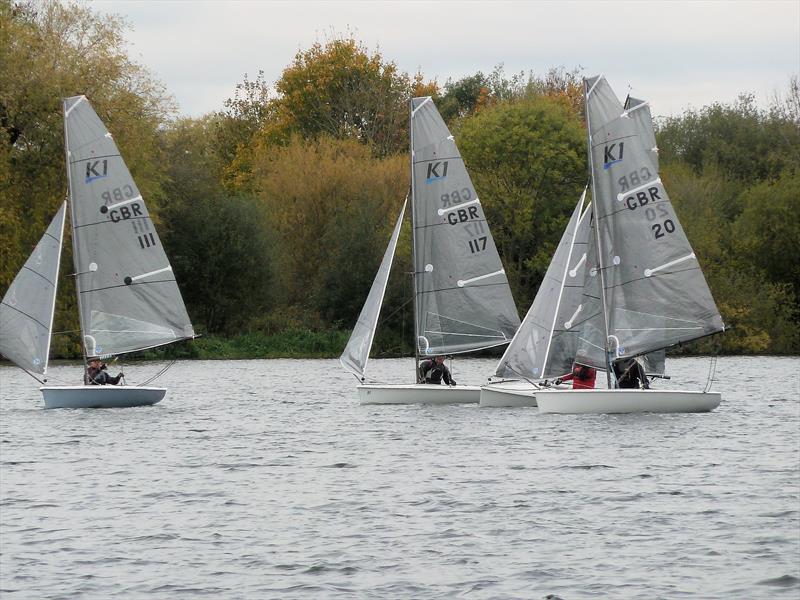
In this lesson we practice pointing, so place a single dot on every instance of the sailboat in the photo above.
(462, 300)
(128, 299)
(545, 343)
(644, 291)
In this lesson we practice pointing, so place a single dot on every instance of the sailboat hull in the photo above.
(101, 396)
(418, 394)
(603, 401)
(508, 394)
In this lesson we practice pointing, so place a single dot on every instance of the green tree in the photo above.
(342, 90)
(767, 231)
(333, 205)
(527, 161)
(50, 51)
(741, 140)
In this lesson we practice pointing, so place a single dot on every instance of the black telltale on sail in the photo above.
(128, 281)
(104, 209)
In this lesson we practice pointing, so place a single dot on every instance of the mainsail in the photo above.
(356, 353)
(26, 313)
(545, 343)
(128, 297)
(654, 292)
(462, 298)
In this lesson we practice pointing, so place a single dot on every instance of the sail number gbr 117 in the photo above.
(467, 215)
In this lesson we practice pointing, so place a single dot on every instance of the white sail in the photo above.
(462, 298)
(545, 343)
(356, 353)
(654, 293)
(26, 312)
(128, 297)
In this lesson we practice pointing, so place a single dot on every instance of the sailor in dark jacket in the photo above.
(96, 373)
(630, 374)
(433, 370)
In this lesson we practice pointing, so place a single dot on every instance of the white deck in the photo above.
(511, 393)
(418, 394)
(604, 401)
(100, 396)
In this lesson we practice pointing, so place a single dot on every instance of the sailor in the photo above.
(433, 370)
(630, 374)
(96, 373)
(582, 377)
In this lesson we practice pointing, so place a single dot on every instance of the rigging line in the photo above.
(438, 158)
(394, 312)
(667, 274)
(513, 370)
(124, 285)
(73, 162)
(623, 209)
(34, 376)
(711, 370)
(39, 274)
(110, 222)
(34, 319)
(441, 223)
(622, 137)
(159, 374)
(456, 289)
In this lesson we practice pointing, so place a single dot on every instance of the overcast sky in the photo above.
(675, 54)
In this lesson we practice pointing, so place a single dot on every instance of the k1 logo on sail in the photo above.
(612, 154)
(96, 169)
(436, 171)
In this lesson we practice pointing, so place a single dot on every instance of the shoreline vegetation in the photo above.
(275, 210)
(299, 343)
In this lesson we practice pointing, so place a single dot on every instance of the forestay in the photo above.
(128, 297)
(356, 353)
(655, 293)
(545, 343)
(463, 300)
(26, 313)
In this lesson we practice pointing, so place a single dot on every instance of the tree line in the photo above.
(275, 209)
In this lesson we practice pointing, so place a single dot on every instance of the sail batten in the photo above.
(116, 247)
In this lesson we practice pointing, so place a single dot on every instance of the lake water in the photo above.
(267, 479)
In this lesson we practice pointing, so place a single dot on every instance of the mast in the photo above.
(72, 231)
(55, 292)
(595, 224)
(413, 238)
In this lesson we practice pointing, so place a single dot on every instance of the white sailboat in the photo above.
(128, 298)
(544, 346)
(644, 290)
(462, 300)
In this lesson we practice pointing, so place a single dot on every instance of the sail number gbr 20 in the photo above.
(651, 203)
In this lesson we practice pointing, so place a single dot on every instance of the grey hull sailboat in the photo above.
(644, 290)
(128, 298)
(462, 300)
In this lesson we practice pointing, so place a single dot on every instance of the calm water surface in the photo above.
(267, 479)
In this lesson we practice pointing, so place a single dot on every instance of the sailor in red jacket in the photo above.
(582, 377)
